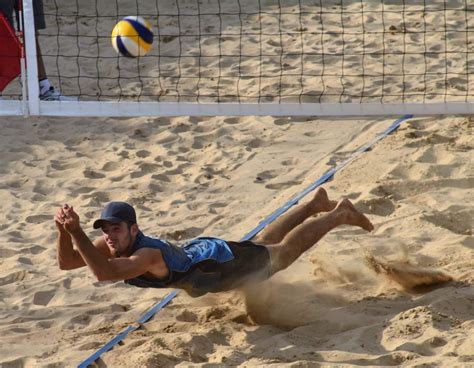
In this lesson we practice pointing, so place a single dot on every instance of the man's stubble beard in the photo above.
(120, 254)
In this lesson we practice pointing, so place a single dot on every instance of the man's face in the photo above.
(118, 237)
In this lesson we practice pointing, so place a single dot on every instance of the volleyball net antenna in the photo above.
(254, 57)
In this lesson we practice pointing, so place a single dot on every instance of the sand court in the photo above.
(356, 299)
(221, 176)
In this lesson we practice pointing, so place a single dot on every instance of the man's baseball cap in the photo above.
(116, 212)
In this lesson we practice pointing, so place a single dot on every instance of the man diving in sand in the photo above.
(201, 265)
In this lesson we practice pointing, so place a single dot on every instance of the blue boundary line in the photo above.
(326, 177)
(123, 334)
(323, 179)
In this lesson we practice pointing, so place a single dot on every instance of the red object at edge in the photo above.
(10, 53)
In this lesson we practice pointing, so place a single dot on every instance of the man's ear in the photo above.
(134, 229)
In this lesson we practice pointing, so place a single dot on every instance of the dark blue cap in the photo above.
(116, 212)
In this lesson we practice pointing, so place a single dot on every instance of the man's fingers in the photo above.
(70, 212)
(59, 221)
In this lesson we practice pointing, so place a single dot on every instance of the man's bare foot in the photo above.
(353, 217)
(321, 202)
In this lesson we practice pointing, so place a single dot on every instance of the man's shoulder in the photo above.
(149, 255)
(146, 251)
(150, 241)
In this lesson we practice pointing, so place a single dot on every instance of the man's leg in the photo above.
(307, 234)
(277, 230)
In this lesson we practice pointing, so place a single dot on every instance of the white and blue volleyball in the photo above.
(132, 37)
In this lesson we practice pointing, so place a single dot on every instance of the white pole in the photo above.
(24, 91)
(31, 62)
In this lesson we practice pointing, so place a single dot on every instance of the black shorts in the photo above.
(7, 8)
(251, 264)
(250, 258)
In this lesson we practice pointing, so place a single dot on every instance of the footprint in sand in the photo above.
(111, 166)
(38, 219)
(44, 324)
(431, 139)
(458, 222)
(25, 260)
(97, 196)
(161, 177)
(142, 153)
(311, 134)
(13, 277)
(290, 162)
(213, 207)
(204, 128)
(92, 345)
(124, 154)
(254, 143)
(409, 188)
(12, 184)
(82, 190)
(187, 316)
(412, 324)
(156, 187)
(282, 121)
(61, 166)
(281, 186)
(35, 249)
(376, 206)
(265, 175)
(82, 319)
(435, 155)
(177, 171)
(43, 297)
(92, 174)
(7, 253)
(231, 121)
(181, 128)
(145, 169)
(42, 188)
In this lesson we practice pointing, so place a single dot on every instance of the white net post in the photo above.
(31, 58)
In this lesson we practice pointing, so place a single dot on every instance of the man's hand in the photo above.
(66, 218)
(59, 219)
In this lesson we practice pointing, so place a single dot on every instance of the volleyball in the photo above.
(132, 37)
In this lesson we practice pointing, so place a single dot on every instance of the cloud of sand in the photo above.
(328, 297)
(321, 299)
(408, 275)
(288, 305)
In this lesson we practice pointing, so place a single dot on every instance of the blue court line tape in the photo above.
(323, 179)
(326, 177)
(123, 334)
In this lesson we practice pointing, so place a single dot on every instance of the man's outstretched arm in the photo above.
(109, 269)
(68, 258)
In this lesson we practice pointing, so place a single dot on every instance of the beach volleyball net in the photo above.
(254, 57)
